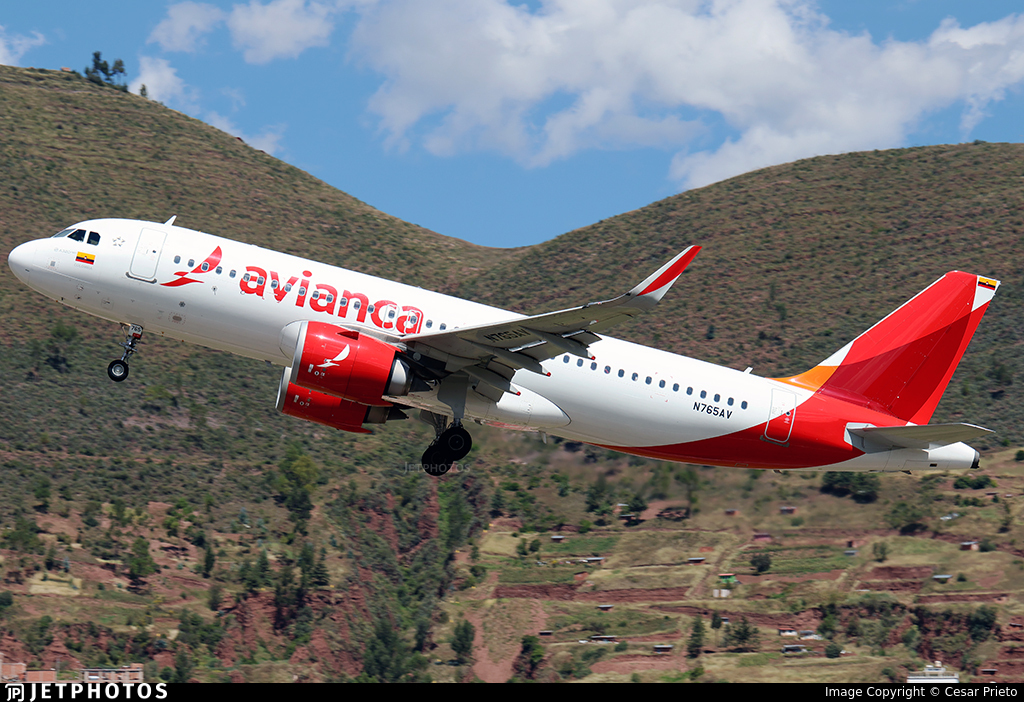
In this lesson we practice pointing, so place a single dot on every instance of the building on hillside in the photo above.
(40, 676)
(125, 674)
(11, 671)
(933, 674)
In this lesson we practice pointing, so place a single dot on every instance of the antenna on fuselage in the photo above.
(170, 221)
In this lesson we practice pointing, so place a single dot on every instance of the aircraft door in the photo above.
(781, 417)
(147, 255)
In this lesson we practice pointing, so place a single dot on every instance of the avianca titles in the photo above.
(359, 350)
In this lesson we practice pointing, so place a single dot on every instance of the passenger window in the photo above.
(621, 372)
(220, 269)
(430, 322)
(316, 295)
(689, 391)
(593, 366)
(391, 313)
(191, 262)
(231, 274)
(730, 402)
(273, 285)
(607, 370)
(355, 304)
(443, 326)
(302, 293)
(579, 363)
(661, 384)
(77, 235)
(717, 397)
(703, 394)
(261, 280)
(675, 388)
(635, 376)
(648, 381)
(94, 238)
(565, 360)
(177, 259)
(368, 309)
(205, 267)
(743, 404)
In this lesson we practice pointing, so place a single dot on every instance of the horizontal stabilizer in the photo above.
(922, 437)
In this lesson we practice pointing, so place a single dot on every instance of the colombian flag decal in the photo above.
(986, 283)
(85, 258)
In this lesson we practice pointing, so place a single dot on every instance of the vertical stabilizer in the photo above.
(903, 364)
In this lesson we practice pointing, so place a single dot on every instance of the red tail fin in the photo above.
(903, 364)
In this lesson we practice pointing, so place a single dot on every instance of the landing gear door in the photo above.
(780, 419)
(147, 255)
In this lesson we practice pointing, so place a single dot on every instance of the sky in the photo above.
(509, 122)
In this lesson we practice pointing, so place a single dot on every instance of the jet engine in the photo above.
(345, 363)
(329, 410)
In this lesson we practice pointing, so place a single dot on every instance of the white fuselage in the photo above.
(629, 396)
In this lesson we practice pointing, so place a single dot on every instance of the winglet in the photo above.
(654, 287)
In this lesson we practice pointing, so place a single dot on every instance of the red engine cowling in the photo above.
(348, 364)
(321, 408)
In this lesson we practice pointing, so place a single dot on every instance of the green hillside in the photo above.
(366, 561)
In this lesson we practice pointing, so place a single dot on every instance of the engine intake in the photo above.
(346, 364)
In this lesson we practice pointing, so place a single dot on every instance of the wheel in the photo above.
(457, 442)
(436, 461)
(117, 370)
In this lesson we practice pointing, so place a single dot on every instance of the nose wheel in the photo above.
(118, 369)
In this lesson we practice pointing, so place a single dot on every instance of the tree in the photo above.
(214, 597)
(761, 561)
(833, 650)
(140, 564)
(687, 477)
(183, 664)
(530, 657)
(209, 559)
(743, 636)
(695, 645)
(42, 493)
(462, 641)
(881, 551)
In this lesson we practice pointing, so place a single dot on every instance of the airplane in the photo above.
(359, 351)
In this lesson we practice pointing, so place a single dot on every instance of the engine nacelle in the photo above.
(346, 364)
(331, 411)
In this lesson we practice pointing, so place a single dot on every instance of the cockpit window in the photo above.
(77, 235)
(63, 233)
(94, 238)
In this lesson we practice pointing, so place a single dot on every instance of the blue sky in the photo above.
(506, 122)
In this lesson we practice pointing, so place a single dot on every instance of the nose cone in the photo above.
(22, 261)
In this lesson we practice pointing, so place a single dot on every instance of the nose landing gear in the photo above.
(118, 369)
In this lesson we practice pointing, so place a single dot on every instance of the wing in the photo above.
(491, 353)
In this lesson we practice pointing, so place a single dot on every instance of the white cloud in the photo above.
(539, 85)
(279, 29)
(14, 46)
(268, 140)
(163, 84)
(185, 25)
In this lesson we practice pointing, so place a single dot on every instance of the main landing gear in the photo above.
(451, 446)
(118, 369)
